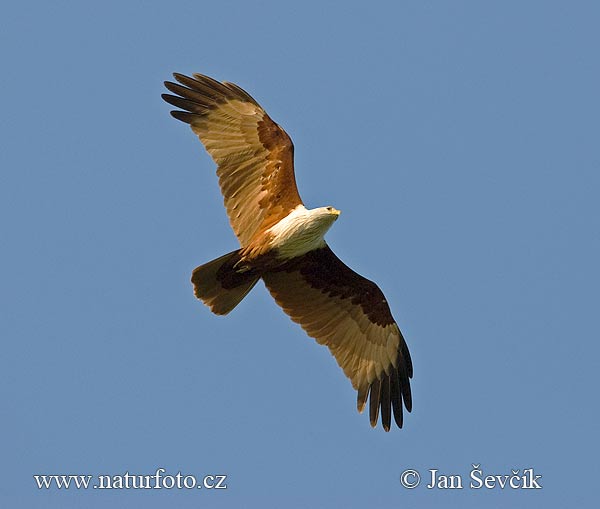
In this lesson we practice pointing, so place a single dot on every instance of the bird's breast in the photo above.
(297, 234)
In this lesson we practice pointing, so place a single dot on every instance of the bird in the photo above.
(282, 242)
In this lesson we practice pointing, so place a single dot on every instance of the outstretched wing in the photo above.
(254, 155)
(349, 314)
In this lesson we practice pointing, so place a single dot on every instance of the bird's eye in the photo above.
(329, 209)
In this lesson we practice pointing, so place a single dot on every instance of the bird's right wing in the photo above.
(349, 314)
(254, 155)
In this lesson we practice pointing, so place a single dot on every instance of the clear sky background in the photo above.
(460, 140)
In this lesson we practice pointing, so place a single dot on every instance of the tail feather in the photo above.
(221, 285)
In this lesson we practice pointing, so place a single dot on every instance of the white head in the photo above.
(327, 213)
(322, 218)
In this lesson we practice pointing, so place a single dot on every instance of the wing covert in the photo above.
(254, 155)
(349, 314)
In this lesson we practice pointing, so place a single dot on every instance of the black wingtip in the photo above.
(374, 402)
(396, 397)
(386, 404)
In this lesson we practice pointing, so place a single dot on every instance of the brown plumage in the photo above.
(348, 314)
(282, 243)
(255, 157)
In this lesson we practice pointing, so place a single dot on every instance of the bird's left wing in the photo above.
(349, 314)
(254, 155)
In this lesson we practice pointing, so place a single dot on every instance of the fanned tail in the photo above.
(221, 285)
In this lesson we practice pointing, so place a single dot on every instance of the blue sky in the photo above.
(460, 140)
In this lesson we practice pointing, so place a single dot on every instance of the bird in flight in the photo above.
(282, 243)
